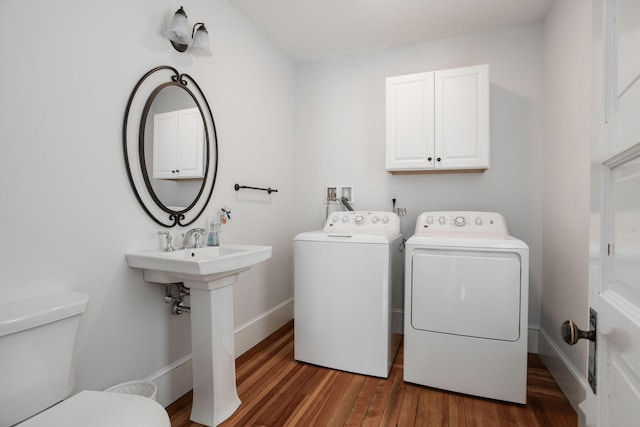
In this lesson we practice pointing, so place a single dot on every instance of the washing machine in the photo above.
(466, 306)
(344, 279)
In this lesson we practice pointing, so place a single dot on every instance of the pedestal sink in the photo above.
(208, 272)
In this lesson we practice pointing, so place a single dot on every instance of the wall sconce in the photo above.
(178, 35)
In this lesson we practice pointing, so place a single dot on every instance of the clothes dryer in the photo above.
(466, 306)
(344, 277)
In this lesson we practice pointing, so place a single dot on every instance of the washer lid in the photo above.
(356, 227)
(364, 222)
(338, 237)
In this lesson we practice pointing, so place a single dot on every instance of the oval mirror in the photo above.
(170, 146)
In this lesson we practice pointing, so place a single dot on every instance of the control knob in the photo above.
(478, 221)
(385, 220)
(375, 219)
(360, 219)
(345, 219)
(441, 220)
(459, 221)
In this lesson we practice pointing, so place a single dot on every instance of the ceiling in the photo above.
(307, 30)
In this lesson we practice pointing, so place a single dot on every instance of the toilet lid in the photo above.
(102, 409)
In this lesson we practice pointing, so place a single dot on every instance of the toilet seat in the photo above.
(102, 409)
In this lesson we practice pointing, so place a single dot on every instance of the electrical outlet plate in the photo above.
(346, 191)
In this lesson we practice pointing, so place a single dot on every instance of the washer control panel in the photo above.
(461, 222)
(362, 222)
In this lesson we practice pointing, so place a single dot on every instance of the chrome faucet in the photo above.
(197, 233)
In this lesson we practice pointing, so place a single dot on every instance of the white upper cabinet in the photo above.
(438, 120)
(178, 145)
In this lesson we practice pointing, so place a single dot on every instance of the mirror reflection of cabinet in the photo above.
(178, 145)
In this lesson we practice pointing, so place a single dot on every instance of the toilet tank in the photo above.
(37, 340)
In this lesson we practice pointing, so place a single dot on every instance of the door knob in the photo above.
(571, 334)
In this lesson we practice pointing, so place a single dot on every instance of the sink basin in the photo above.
(208, 264)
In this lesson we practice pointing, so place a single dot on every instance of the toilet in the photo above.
(37, 340)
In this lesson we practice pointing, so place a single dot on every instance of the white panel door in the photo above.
(409, 125)
(165, 148)
(462, 118)
(614, 278)
(474, 294)
(190, 158)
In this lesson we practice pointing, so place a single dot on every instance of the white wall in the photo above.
(68, 213)
(340, 132)
(567, 102)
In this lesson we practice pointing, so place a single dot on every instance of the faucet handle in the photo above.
(197, 234)
(196, 238)
(168, 237)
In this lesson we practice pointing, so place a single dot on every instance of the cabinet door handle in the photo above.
(438, 159)
(429, 158)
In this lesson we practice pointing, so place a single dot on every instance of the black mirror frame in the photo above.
(192, 212)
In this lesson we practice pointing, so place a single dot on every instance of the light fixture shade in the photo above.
(178, 31)
(200, 45)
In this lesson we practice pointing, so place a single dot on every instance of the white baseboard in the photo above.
(260, 327)
(572, 383)
(397, 321)
(532, 340)
(174, 380)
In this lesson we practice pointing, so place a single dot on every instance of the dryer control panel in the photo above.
(461, 222)
(362, 222)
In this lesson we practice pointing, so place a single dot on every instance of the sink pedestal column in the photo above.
(215, 397)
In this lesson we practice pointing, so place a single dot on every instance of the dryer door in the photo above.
(475, 294)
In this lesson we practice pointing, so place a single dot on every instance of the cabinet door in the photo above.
(462, 118)
(178, 145)
(409, 127)
(165, 135)
(190, 159)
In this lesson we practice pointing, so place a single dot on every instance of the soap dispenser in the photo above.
(214, 229)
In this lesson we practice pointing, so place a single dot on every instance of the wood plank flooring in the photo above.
(276, 390)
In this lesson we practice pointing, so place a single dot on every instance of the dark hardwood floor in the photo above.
(276, 390)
